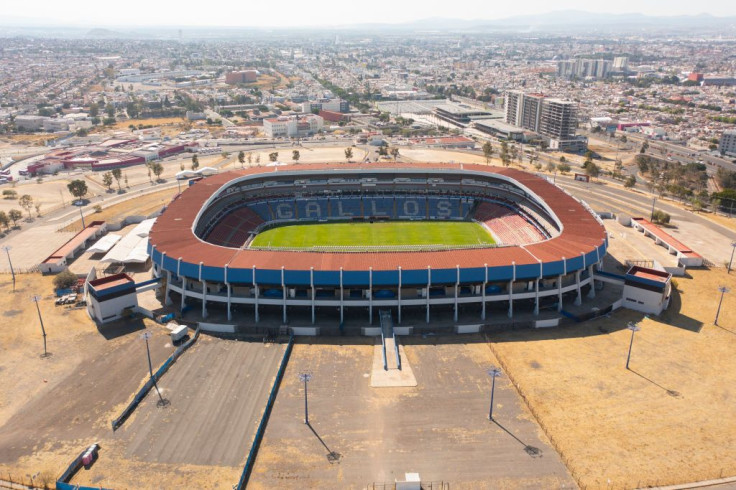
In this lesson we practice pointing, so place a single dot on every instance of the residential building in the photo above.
(245, 76)
(292, 127)
(727, 143)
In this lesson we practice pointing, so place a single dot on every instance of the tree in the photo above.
(258, 159)
(660, 216)
(37, 205)
(348, 153)
(273, 156)
(630, 182)
(250, 158)
(563, 168)
(551, 167)
(126, 180)
(148, 167)
(487, 151)
(107, 180)
(195, 162)
(94, 110)
(592, 170)
(295, 156)
(26, 202)
(382, 151)
(241, 158)
(157, 169)
(65, 279)
(117, 174)
(4, 220)
(77, 188)
(395, 152)
(15, 215)
(563, 159)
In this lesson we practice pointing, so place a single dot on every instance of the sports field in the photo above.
(380, 235)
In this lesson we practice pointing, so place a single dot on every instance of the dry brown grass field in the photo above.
(666, 420)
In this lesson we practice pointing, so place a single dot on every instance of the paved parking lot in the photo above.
(359, 435)
(217, 392)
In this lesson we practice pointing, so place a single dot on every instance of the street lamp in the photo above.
(79, 204)
(493, 373)
(654, 201)
(7, 251)
(723, 290)
(161, 402)
(36, 299)
(305, 377)
(634, 328)
(733, 248)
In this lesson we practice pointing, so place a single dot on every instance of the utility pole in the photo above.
(161, 401)
(634, 328)
(12, 272)
(36, 299)
(494, 373)
(723, 290)
(305, 377)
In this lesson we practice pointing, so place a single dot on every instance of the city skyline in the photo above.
(325, 13)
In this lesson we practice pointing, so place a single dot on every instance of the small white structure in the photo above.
(647, 290)
(109, 296)
(132, 248)
(411, 482)
(104, 244)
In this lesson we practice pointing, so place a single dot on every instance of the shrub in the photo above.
(65, 279)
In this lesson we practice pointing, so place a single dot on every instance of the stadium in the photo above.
(300, 240)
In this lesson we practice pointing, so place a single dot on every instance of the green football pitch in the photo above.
(382, 235)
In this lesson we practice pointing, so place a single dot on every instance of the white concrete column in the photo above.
(370, 295)
(342, 299)
(511, 289)
(167, 290)
(536, 296)
(457, 286)
(485, 285)
(399, 296)
(591, 293)
(429, 285)
(204, 299)
(559, 293)
(255, 289)
(311, 284)
(229, 295)
(283, 296)
(511, 299)
(183, 292)
(229, 303)
(578, 299)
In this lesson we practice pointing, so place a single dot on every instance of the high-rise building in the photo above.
(512, 107)
(554, 119)
(583, 68)
(559, 119)
(727, 144)
(621, 64)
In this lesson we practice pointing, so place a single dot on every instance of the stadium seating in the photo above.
(507, 224)
(235, 228)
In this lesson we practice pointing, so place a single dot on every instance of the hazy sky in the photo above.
(321, 12)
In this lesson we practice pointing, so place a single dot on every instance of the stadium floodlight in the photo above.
(634, 328)
(161, 401)
(493, 373)
(12, 272)
(36, 299)
(305, 377)
(723, 290)
(730, 262)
